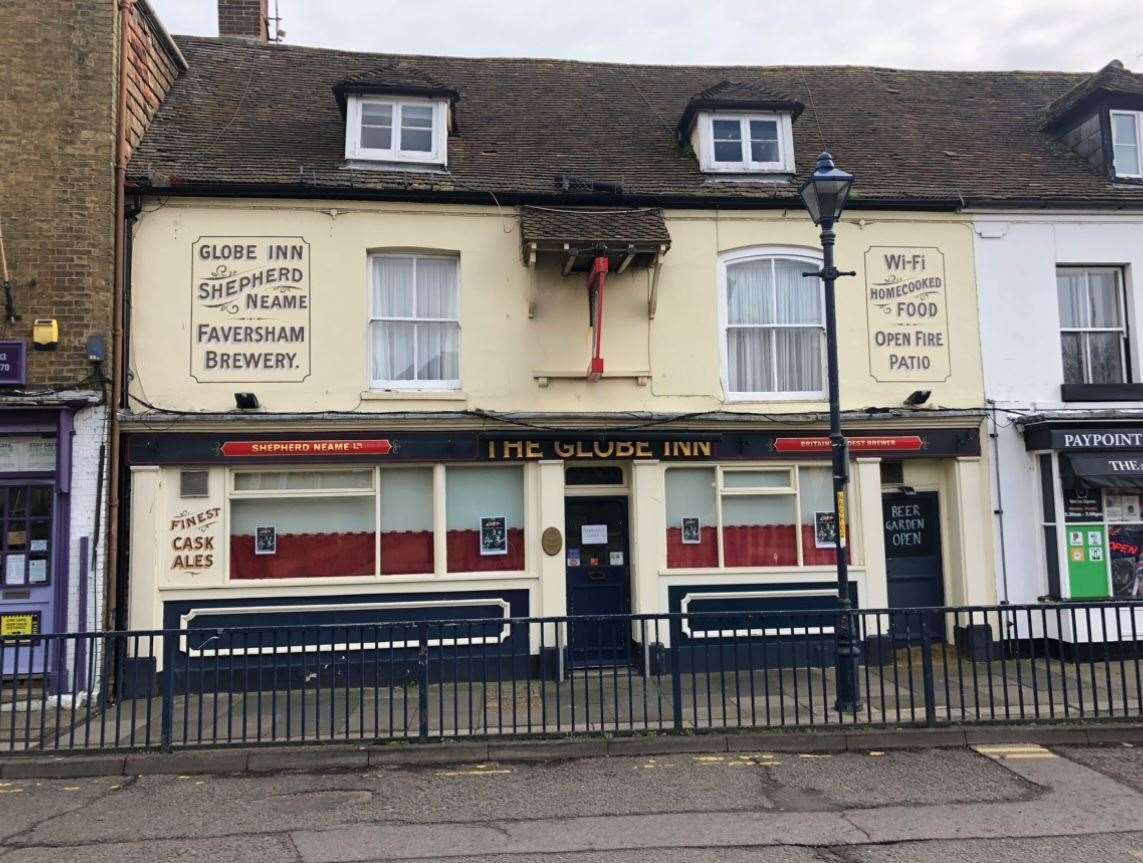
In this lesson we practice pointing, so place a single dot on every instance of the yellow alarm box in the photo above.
(45, 334)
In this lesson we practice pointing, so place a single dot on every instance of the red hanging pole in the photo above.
(596, 279)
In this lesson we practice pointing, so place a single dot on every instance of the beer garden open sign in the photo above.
(908, 314)
(250, 309)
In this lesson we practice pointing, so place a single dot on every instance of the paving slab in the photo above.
(428, 753)
(196, 762)
(666, 744)
(548, 750)
(62, 767)
(787, 742)
(306, 758)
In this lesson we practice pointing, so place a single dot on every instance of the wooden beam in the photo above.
(653, 299)
(627, 259)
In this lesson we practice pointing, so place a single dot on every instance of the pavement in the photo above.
(989, 802)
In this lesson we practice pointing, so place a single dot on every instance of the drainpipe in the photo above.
(999, 511)
(119, 370)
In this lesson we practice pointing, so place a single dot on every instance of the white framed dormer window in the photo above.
(396, 129)
(414, 325)
(743, 143)
(1127, 143)
(773, 325)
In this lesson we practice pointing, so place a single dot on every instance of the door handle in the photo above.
(596, 575)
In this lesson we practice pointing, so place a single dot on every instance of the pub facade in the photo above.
(395, 355)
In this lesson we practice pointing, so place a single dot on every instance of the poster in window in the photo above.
(692, 531)
(37, 571)
(1121, 506)
(493, 535)
(1082, 504)
(1125, 542)
(825, 530)
(265, 539)
(593, 534)
(14, 569)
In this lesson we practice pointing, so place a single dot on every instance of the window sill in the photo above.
(1101, 392)
(813, 569)
(770, 398)
(414, 395)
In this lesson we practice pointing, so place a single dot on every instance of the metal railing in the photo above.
(488, 677)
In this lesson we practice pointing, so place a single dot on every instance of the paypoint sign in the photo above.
(908, 314)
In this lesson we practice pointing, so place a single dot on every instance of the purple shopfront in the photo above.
(35, 486)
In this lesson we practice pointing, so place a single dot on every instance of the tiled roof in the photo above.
(581, 225)
(1111, 79)
(736, 94)
(393, 77)
(258, 119)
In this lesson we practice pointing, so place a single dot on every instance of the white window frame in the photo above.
(785, 162)
(1137, 117)
(376, 317)
(812, 261)
(438, 155)
(1122, 329)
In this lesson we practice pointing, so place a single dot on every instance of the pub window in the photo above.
(1127, 143)
(595, 475)
(1093, 325)
(749, 517)
(394, 129)
(407, 521)
(484, 518)
(303, 524)
(414, 328)
(773, 328)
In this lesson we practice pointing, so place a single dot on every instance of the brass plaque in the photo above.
(551, 541)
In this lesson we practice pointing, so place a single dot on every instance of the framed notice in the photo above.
(691, 533)
(593, 534)
(825, 530)
(493, 535)
(25, 623)
(265, 539)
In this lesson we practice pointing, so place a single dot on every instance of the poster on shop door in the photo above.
(1125, 544)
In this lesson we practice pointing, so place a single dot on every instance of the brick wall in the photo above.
(246, 18)
(58, 100)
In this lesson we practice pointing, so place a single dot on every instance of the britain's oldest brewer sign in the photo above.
(250, 309)
(908, 314)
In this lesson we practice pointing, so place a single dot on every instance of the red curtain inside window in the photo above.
(464, 552)
(304, 555)
(680, 555)
(407, 552)
(813, 556)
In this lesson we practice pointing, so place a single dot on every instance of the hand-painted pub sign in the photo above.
(13, 363)
(907, 313)
(250, 310)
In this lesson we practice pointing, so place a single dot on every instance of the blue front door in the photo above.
(598, 580)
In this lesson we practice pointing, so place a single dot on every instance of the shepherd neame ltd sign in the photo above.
(250, 309)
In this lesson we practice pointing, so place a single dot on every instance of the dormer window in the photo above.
(741, 128)
(744, 143)
(1127, 143)
(396, 129)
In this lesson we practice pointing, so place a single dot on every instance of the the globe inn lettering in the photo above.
(523, 450)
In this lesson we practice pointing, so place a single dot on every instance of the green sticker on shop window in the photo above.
(1087, 560)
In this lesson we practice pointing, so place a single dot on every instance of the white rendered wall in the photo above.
(90, 433)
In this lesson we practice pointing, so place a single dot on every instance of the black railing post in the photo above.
(168, 705)
(676, 631)
(927, 672)
(423, 679)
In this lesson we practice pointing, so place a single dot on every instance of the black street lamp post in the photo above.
(825, 194)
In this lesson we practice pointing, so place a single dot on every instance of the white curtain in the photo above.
(774, 332)
(1073, 305)
(417, 336)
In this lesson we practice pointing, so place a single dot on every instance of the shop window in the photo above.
(740, 517)
(303, 524)
(484, 516)
(1093, 325)
(407, 521)
(414, 328)
(774, 336)
(25, 534)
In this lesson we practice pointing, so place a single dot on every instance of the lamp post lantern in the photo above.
(825, 193)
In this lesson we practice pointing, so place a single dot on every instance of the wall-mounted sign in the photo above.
(25, 453)
(193, 540)
(551, 541)
(1087, 562)
(278, 448)
(250, 309)
(891, 443)
(13, 363)
(907, 313)
(594, 448)
(20, 624)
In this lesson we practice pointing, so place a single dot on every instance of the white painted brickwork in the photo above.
(90, 433)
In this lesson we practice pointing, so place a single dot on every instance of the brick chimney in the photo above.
(247, 19)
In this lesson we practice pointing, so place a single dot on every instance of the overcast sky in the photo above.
(1069, 35)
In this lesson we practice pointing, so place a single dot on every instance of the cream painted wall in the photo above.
(502, 349)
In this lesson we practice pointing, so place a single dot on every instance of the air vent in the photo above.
(194, 483)
(892, 473)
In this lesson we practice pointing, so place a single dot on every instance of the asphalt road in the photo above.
(1001, 803)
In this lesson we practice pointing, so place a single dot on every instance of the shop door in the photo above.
(913, 560)
(598, 580)
(26, 587)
